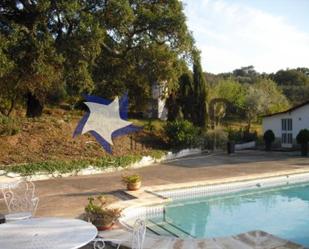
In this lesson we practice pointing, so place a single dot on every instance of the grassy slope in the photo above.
(49, 138)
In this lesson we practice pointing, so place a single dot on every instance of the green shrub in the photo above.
(269, 137)
(249, 136)
(240, 136)
(9, 126)
(181, 134)
(303, 136)
(131, 178)
(216, 139)
(149, 126)
(235, 135)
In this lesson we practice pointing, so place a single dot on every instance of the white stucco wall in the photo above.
(162, 110)
(300, 118)
(158, 105)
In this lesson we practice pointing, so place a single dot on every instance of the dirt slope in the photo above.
(50, 138)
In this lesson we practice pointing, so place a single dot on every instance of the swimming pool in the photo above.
(282, 211)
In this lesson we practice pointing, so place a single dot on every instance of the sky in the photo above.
(268, 34)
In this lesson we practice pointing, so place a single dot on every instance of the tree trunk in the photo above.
(34, 106)
(248, 125)
(13, 101)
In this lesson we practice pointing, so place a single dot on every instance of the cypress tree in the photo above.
(199, 114)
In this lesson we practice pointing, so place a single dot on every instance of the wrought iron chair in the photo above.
(20, 200)
(138, 237)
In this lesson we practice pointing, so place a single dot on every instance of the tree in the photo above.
(37, 66)
(294, 84)
(255, 104)
(106, 47)
(79, 37)
(276, 100)
(199, 114)
(147, 46)
(246, 74)
(231, 90)
(263, 97)
(6, 65)
(174, 109)
(226, 96)
(185, 95)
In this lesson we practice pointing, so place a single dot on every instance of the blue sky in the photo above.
(268, 34)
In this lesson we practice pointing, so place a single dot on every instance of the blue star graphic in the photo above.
(105, 120)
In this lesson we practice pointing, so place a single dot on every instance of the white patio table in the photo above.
(4, 185)
(46, 233)
(7, 184)
(5, 181)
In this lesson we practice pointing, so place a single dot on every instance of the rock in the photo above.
(182, 153)
(145, 161)
(13, 175)
(89, 171)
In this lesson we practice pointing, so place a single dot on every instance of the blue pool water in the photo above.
(282, 211)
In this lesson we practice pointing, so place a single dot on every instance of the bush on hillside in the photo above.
(181, 134)
(9, 126)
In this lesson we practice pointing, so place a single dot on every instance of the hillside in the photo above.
(49, 138)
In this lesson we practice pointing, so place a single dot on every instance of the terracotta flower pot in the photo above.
(104, 227)
(103, 224)
(134, 185)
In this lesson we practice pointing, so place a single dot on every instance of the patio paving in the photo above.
(67, 196)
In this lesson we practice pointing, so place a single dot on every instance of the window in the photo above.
(287, 138)
(286, 124)
(287, 127)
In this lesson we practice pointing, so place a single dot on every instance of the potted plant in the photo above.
(269, 138)
(303, 138)
(133, 182)
(100, 215)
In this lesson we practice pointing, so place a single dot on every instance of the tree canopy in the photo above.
(82, 46)
(294, 84)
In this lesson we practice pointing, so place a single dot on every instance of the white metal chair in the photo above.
(137, 241)
(20, 200)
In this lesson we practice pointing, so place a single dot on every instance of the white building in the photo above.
(286, 125)
(157, 104)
